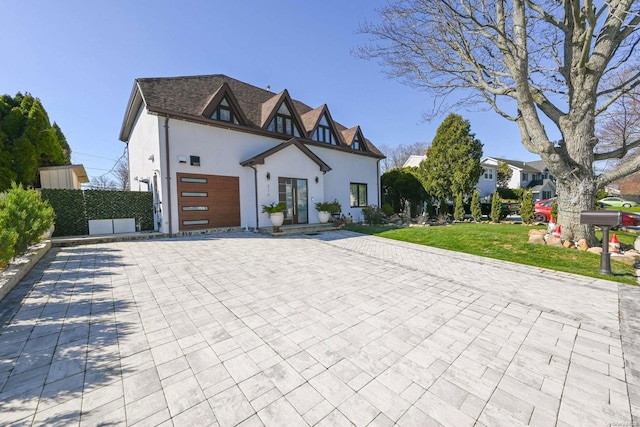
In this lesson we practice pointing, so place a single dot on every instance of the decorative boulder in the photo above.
(537, 239)
(582, 244)
(537, 232)
(595, 250)
(632, 253)
(554, 241)
(568, 244)
(624, 259)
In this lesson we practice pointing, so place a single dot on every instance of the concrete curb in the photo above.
(20, 266)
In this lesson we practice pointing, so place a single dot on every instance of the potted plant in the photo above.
(325, 209)
(276, 214)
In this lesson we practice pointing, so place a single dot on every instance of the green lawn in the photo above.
(507, 242)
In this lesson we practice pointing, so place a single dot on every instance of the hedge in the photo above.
(74, 208)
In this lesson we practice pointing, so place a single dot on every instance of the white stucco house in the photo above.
(214, 149)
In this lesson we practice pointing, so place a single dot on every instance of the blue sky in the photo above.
(81, 58)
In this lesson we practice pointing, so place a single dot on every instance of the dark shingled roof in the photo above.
(188, 97)
(525, 166)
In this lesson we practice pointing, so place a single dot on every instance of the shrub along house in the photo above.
(213, 150)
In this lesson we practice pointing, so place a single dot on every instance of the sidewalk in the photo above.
(332, 329)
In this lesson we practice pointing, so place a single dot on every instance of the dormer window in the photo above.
(357, 144)
(323, 132)
(224, 112)
(283, 122)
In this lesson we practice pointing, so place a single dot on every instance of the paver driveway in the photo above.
(335, 329)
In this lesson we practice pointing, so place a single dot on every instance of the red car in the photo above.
(542, 209)
(542, 213)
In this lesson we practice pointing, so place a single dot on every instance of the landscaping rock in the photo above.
(595, 250)
(623, 259)
(632, 253)
(582, 245)
(554, 241)
(568, 244)
(537, 239)
(537, 232)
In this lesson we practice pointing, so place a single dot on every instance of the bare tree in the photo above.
(524, 59)
(121, 173)
(620, 126)
(102, 182)
(396, 156)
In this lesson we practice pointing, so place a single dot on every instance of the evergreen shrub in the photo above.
(476, 208)
(24, 212)
(527, 211)
(496, 207)
(373, 215)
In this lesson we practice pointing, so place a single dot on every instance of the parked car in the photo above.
(630, 219)
(542, 209)
(542, 213)
(616, 202)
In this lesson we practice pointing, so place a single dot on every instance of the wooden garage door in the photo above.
(208, 201)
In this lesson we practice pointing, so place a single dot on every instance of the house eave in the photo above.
(251, 130)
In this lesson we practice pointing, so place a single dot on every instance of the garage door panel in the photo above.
(208, 201)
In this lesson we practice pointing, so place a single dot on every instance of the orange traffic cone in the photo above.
(614, 245)
(558, 231)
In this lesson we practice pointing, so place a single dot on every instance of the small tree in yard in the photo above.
(458, 213)
(453, 162)
(476, 208)
(504, 175)
(526, 207)
(496, 207)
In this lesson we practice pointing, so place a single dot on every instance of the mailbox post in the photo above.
(605, 220)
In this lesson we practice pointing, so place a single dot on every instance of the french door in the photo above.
(293, 191)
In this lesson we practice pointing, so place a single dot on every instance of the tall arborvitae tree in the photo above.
(64, 145)
(27, 140)
(526, 207)
(452, 165)
(476, 208)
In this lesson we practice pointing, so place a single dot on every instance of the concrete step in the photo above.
(289, 230)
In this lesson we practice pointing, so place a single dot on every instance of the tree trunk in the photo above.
(574, 196)
(575, 180)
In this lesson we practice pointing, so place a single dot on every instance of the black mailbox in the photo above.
(601, 218)
(604, 219)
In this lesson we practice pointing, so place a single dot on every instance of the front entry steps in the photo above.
(289, 230)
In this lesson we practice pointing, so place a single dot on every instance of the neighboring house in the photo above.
(214, 150)
(67, 177)
(413, 161)
(532, 175)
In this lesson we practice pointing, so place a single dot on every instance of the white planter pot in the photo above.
(323, 216)
(276, 219)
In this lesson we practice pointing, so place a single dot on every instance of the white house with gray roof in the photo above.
(214, 149)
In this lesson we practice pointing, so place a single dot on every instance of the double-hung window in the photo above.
(358, 193)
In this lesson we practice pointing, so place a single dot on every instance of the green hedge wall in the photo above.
(120, 204)
(74, 208)
(68, 205)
